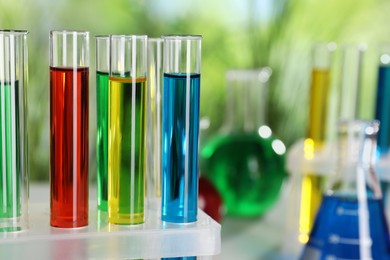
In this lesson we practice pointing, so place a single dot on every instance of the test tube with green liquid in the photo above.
(13, 131)
(126, 129)
(102, 75)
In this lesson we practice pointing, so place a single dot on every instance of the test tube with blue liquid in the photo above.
(351, 222)
(180, 128)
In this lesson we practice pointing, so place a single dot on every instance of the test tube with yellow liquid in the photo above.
(126, 129)
(312, 182)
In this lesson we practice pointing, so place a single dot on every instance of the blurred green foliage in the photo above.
(237, 34)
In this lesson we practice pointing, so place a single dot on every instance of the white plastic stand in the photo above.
(99, 240)
(322, 163)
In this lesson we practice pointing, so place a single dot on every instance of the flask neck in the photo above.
(350, 81)
(246, 100)
(356, 155)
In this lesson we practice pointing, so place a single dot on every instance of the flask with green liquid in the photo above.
(244, 161)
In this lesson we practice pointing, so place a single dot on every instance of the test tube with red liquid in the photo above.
(69, 91)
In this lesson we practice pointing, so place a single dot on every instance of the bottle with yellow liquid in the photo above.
(311, 161)
(305, 158)
(312, 182)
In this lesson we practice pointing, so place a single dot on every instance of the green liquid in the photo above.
(11, 154)
(102, 138)
(246, 170)
(126, 156)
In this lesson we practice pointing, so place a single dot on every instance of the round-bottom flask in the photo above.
(244, 161)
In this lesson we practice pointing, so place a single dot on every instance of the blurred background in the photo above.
(237, 34)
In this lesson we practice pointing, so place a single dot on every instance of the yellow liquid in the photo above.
(312, 184)
(318, 116)
(126, 151)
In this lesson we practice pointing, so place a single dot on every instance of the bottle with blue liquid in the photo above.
(382, 113)
(382, 104)
(351, 222)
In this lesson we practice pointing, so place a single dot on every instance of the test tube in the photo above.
(316, 137)
(126, 129)
(180, 128)
(350, 80)
(13, 127)
(69, 90)
(102, 75)
(153, 121)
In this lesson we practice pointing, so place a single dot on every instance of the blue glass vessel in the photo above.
(351, 222)
(382, 109)
(180, 258)
(336, 229)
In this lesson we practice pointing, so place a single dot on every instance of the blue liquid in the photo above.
(180, 131)
(336, 231)
(382, 109)
(180, 258)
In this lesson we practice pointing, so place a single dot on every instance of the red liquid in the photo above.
(69, 91)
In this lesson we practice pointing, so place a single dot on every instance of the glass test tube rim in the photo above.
(155, 39)
(359, 46)
(263, 73)
(64, 33)
(179, 37)
(383, 47)
(68, 32)
(106, 38)
(102, 36)
(129, 36)
(359, 124)
(330, 46)
(13, 32)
